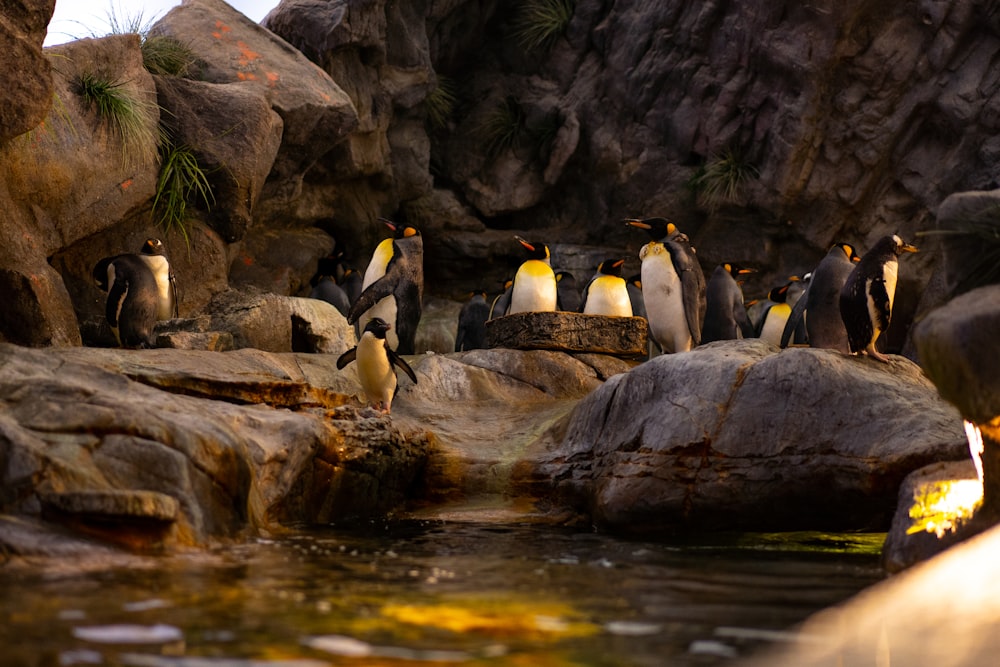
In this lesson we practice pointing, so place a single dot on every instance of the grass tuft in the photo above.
(502, 127)
(440, 104)
(167, 56)
(723, 178)
(539, 23)
(182, 181)
(130, 118)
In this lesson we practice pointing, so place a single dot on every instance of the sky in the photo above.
(75, 19)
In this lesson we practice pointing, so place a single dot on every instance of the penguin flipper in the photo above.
(173, 295)
(880, 302)
(398, 361)
(347, 357)
(116, 298)
(693, 294)
(794, 320)
(743, 320)
(371, 295)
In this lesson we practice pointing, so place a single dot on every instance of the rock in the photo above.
(941, 613)
(137, 519)
(570, 332)
(27, 95)
(438, 326)
(234, 134)
(935, 511)
(214, 341)
(736, 436)
(316, 113)
(964, 219)
(281, 261)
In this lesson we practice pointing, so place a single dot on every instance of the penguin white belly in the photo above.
(890, 273)
(608, 295)
(662, 294)
(160, 267)
(375, 371)
(386, 307)
(535, 288)
(774, 323)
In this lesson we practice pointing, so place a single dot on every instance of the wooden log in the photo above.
(569, 332)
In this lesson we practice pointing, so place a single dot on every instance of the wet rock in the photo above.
(735, 436)
(569, 332)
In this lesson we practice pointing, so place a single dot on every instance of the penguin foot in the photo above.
(875, 354)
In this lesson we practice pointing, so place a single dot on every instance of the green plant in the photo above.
(722, 179)
(131, 118)
(167, 56)
(539, 23)
(182, 180)
(440, 103)
(544, 133)
(502, 126)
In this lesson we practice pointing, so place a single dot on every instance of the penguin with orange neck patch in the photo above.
(535, 288)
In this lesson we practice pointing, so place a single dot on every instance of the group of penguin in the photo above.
(141, 290)
(844, 304)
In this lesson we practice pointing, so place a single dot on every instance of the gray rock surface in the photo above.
(734, 436)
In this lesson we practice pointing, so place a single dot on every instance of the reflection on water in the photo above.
(435, 593)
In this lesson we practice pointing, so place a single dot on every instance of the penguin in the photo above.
(325, 287)
(690, 272)
(725, 314)
(133, 298)
(867, 295)
(499, 306)
(634, 286)
(472, 322)
(567, 292)
(154, 255)
(819, 307)
(795, 326)
(673, 286)
(775, 314)
(607, 292)
(351, 284)
(534, 288)
(393, 287)
(375, 365)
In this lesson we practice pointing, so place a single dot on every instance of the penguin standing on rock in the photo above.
(673, 286)
(393, 287)
(567, 293)
(824, 325)
(775, 315)
(375, 365)
(607, 292)
(535, 288)
(325, 287)
(502, 300)
(472, 323)
(133, 299)
(867, 296)
(154, 255)
(725, 313)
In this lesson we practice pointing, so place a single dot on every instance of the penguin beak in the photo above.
(618, 263)
(388, 223)
(906, 247)
(525, 243)
(633, 222)
(743, 272)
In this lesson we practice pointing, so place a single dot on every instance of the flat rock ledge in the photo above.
(569, 332)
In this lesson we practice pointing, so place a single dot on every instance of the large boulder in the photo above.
(27, 73)
(735, 435)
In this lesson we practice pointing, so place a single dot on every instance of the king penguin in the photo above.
(824, 325)
(393, 287)
(673, 286)
(725, 313)
(867, 296)
(776, 313)
(567, 292)
(607, 292)
(154, 255)
(534, 288)
(375, 365)
(133, 299)
(325, 287)
(500, 304)
(795, 326)
(472, 318)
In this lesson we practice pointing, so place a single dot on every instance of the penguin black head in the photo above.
(153, 247)
(900, 246)
(401, 231)
(635, 280)
(100, 273)
(535, 250)
(377, 326)
(849, 251)
(657, 228)
(564, 275)
(780, 294)
(611, 267)
(735, 270)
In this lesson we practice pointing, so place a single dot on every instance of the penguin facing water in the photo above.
(393, 287)
(154, 255)
(535, 288)
(133, 299)
(376, 362)
(607, 292)
(868, 293)
(725, 313)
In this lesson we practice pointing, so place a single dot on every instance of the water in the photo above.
(423, 592)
